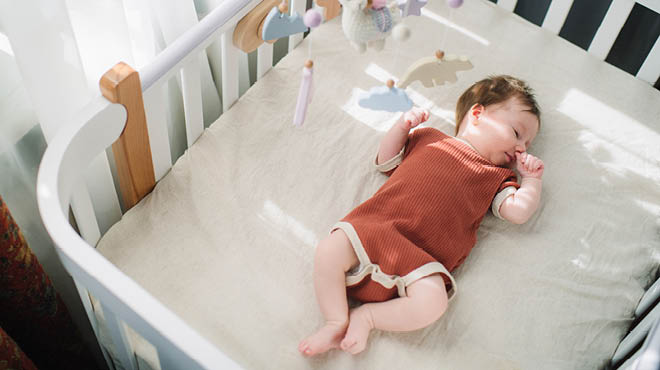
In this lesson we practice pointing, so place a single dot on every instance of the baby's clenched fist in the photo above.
(414, 117)
(529, 165)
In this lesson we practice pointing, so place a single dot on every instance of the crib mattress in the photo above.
(226, 239)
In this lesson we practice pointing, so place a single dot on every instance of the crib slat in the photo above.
(651, 4)
(154, 106)
(650, 69)
(81, 204)
(169, 358)
(648, 298)
(509, 5)
(89, 310)
(123, 348)
(101, 188)
(264, 59)
(636, 336)
(192, 100)
(229, 70)
(616, 16)
(298, 6)
(647, 357)
(556, 15)
(243, 73)
(627, 365)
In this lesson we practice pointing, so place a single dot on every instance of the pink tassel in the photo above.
(304, 94)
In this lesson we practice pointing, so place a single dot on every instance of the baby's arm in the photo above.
(396, 137)
(521, 205)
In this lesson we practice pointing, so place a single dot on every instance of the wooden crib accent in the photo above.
(332, 8)
(132, 152)
(246, 35)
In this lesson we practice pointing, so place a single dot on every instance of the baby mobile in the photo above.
(272, 22)
(430, 71)
(366, 24)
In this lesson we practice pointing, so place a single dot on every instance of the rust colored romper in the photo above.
(424, 218)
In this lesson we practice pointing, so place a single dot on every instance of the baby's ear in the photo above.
(475, 113)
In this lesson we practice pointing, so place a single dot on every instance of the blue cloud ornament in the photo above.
(277, 25)
(389, 99)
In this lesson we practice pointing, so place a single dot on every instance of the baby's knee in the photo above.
(336, 248)
(431, 297)
(434, 307)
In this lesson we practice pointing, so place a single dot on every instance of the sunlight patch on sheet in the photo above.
(607, 126)
(379, 73)
(382, 121)
(429, 14)
(4, 45)
(583, 259)
(277, 216)
(651, 207)
(580, 261)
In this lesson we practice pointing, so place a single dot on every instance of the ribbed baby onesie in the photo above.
(424, 218)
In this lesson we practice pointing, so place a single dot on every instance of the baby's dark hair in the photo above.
(493, 90)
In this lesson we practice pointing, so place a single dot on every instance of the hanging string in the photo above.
(444, 34)
(397, 52)
(309, 44)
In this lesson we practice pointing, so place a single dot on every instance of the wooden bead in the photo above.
(309, 63)
(439, 54)
(332, 8)
(390, 83)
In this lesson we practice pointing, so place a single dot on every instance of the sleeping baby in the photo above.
(396, 251)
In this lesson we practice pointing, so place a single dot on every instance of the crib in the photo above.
(233, 222)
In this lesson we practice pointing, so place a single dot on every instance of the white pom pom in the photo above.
(401, 32)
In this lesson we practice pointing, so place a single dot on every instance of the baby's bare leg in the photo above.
(333, 258)
(425, 303)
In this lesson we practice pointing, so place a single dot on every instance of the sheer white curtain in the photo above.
(52, 55)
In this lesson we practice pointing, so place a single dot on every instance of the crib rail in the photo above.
(59, 186)
(639, 348)
(99, 125)
(94, 129)
(607, 33)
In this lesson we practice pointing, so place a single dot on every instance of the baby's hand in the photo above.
(414, 117)
(528, 165)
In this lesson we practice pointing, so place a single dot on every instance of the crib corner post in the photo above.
(132, 152)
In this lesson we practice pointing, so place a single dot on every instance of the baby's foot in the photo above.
(325, 339)
(360, 324)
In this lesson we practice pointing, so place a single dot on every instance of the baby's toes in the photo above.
(352, 345)
(303, 345)
(347, 343)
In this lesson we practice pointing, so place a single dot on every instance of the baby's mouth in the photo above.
(509, 158)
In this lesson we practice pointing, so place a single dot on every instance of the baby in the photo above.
(395, 252)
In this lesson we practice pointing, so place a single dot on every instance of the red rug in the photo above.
(31, 311)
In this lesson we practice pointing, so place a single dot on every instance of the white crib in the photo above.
(147, 160)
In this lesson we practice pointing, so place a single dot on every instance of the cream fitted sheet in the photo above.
(226, 239)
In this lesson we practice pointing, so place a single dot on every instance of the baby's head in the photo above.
(499, 116)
